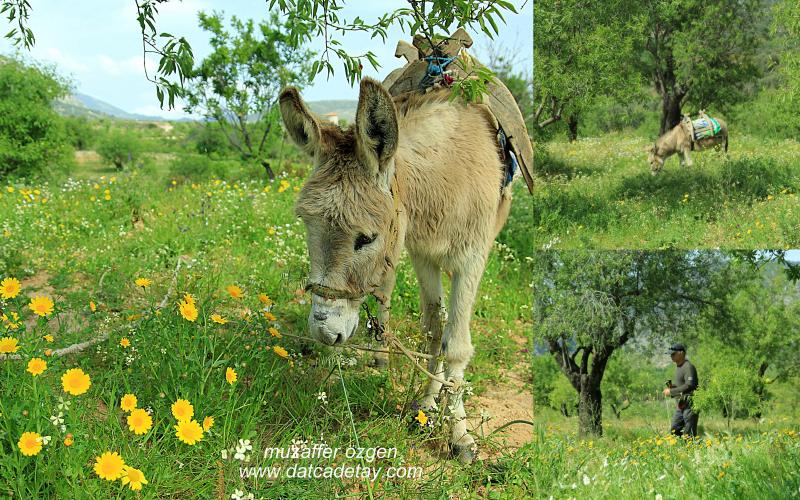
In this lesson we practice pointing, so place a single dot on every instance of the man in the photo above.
(685, 382)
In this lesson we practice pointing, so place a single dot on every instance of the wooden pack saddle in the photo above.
(430, 67)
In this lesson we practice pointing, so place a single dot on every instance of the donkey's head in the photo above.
(348, 206)
(656, 162)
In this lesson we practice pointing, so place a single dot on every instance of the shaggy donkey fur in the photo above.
(415, 171)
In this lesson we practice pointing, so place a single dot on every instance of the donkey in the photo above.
(415, 171)
(679, 140)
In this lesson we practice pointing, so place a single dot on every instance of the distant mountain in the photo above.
(344, 108)
(78, 104)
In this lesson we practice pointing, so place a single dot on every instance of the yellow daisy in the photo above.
(124, 342)
(75, 381)
(274, 332)
(143, 282)
(30, 443)
(109, 466)
(128, 403)
(208, 423)
(69, 440)
(421, 418)
(216, 318)
(188, 298)
(42, 306)
(230, 375)
(92, 306)
(182, 409)
(269, 316)
(189, 431)
(49, 338)
(280, 351)
(8, 345)
(235, 291)
(139, 422)
(36, 366)
(265, 299)
(188, 311)
(9, 288)
(134, 478)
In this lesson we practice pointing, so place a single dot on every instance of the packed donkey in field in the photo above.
(417, 171)
(686, 137)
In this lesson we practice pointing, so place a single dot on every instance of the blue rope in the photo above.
(438, 67)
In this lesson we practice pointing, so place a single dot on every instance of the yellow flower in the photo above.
(9, 288)
(284, 185)
(75, 381)
(230, 375)
(124, 342)
(128, 403)
(30, 443)
(188, 311)
(235, 291)
(8, 345)
(421, 418)
(139, 422)
(216, 318)
(92, 306)
(265, 299)
(269, 316)
(69, 440)
(134, 478)
(280, 351)
(274, 332)
(143, 282)
(41, 306)
(109, 466)
(188, 299)
(182, 409)
(189, 431)
(48, 338)
(208, 423)
(36, 366)
(48, 352)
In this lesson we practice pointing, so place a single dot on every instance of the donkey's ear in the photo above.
(303, 128)
(376, 125)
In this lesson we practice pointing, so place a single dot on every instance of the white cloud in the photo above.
(64, 61)
(127, 66)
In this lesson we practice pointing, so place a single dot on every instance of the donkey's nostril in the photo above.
(338, 339)
(320, 316)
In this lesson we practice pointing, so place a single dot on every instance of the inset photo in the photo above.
(666, 373)
(666, 124)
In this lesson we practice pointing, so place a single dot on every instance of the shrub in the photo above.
(119, 147)
(80, 132)
(200, 168)
(32, 135)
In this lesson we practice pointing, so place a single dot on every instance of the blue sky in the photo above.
(97, 43)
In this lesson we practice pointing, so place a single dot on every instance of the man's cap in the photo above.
(676, 348)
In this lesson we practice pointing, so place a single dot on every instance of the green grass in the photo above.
(68, 242)
(599, 193)
(636, 458)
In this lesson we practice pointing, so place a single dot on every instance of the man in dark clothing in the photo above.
(685, 382)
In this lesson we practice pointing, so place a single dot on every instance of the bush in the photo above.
(727, 386)
(80, 132)
(32, 135)
(119, 148)
(545, 372)
(209, 140)
(563, 397)
(200, 168)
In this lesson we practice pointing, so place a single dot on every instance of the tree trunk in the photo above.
(267, 167)
(670, 111)
(590, 410)
(760, 387)
(572, 123)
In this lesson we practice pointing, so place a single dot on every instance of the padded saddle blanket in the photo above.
(705, 127)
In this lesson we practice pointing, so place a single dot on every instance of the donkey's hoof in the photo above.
(465, 453)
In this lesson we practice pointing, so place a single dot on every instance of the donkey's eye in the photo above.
(363, 240)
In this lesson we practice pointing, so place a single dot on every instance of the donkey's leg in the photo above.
(458, 350)
(688, 156)
(431, 295)
(381, 359)
(681, 157)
